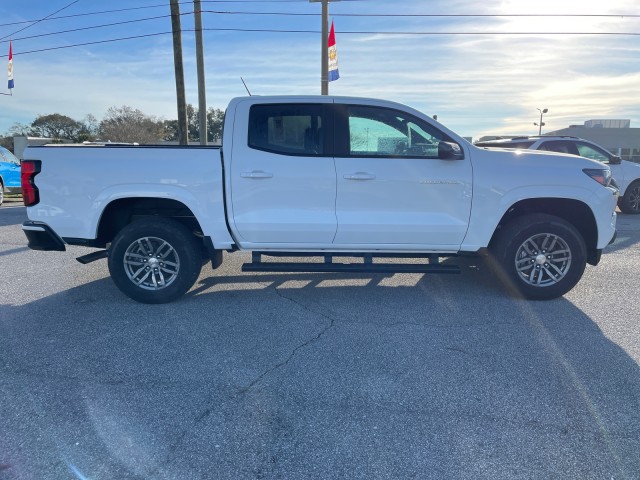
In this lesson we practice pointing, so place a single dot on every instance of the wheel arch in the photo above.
(576, 212)
(123, 211)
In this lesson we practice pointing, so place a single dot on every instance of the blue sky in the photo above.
(481, 75)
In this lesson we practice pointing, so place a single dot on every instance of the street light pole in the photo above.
(541, 124)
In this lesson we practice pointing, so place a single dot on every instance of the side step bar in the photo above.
(434, 266)
(92, 257)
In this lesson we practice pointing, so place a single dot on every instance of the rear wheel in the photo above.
(630, 201)
(1, 193)
(155, 260)
(542, 256)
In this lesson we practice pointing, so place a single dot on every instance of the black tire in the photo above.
(155, 260)
(1, 193)
(540, 256)
(630, 201)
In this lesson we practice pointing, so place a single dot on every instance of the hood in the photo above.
(540, 158)
(631, 166)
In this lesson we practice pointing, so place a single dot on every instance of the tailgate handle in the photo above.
(256, 174)
(360, 176)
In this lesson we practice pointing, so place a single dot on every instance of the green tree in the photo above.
(214, 125)
(55, 126)
(215, 118)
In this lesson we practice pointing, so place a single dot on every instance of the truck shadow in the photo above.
(627, 236)
(316, 375)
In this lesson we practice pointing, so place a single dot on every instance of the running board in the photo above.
(257, 265)
(92, 257)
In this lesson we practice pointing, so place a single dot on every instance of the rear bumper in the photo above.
(42, 237)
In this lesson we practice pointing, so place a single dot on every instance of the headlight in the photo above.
(602, 176)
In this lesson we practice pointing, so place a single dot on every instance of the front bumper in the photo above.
(42, 237)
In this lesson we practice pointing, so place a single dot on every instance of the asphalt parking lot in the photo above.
(316, 376)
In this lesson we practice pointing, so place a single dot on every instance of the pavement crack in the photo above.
(209, 408)
(305, 344)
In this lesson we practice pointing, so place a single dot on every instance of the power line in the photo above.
(94, 27)
(38, 21)
(91, 43)
(305, 15)
(119, 10)
(257, 30)
(379, 15)
(434, 15)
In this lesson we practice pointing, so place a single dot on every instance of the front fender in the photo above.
(491, 206)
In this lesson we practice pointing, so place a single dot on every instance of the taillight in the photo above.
(28, 170)
(600, 175)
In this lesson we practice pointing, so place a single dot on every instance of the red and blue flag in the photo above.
(334, 74)
(10, 66)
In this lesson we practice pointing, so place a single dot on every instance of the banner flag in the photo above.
(10, 66)
(334, 74)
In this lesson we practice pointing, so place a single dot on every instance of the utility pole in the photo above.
(202, 94)
(183, 132)
(324, 56)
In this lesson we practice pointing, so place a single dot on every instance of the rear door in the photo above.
(393, 190)
(283, 178)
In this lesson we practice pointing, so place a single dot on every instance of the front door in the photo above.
(392, 187)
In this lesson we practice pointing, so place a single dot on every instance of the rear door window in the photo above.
(560, 146)
(288, 129)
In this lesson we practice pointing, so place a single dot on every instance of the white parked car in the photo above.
(626, 174)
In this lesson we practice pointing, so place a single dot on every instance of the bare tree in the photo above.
(124, 124)
(16, 130)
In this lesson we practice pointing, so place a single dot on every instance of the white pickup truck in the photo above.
(325, 178)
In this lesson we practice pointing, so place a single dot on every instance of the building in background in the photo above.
(21, 143)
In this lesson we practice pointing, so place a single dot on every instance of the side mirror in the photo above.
(449, 151)
(615, 160)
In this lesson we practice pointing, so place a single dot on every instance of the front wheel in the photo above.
(154, 260)
(630, 201)
(542, 256)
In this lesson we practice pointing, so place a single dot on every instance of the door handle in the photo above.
(256, 174)
(360, 176)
